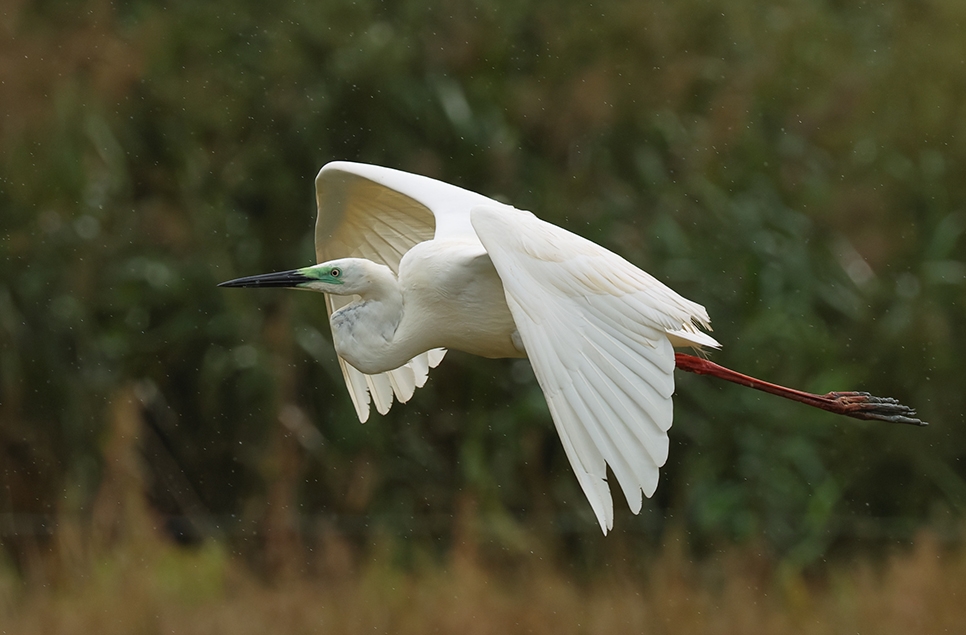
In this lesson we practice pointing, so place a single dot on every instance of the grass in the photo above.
(152, 587)
(116, 575)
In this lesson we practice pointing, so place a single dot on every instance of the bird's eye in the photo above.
(335, 273)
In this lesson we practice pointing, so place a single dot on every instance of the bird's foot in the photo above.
(862, 405)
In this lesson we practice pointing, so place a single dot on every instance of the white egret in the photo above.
(411, 266)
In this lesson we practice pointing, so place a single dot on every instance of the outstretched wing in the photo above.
(377, 213)
(596, 329)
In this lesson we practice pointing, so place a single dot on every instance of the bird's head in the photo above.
(345, 276)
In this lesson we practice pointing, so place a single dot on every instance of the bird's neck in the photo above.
(364, 331)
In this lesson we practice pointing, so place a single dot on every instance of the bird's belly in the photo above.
(465, 302)
(474, 318)
(487, 334)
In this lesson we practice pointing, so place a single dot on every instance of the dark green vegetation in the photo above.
(797, 167)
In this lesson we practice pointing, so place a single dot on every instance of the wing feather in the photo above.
(651, 384)
(435, 356)
(356, 383)
(596, 330)
(649, 435)
(586, 408)
(420, 366)
(635, 384)
(380, 387)
(367, 211)
(584, 455)
(589, 408)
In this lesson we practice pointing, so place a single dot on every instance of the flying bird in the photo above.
(411, 266)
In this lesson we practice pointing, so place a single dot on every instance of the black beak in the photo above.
(281, 279)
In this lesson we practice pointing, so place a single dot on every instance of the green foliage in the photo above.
(796, 167)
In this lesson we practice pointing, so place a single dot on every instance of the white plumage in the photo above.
(412, 266)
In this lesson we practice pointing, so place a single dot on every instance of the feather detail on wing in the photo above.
(361, 217)
(596, 330)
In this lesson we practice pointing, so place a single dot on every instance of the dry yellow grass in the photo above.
(156, 588)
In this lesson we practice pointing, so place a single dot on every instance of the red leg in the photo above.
(860, 405)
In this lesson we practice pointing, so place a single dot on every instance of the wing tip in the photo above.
(604, 511)
(435, 356)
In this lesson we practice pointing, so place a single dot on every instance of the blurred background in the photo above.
(180, 458)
